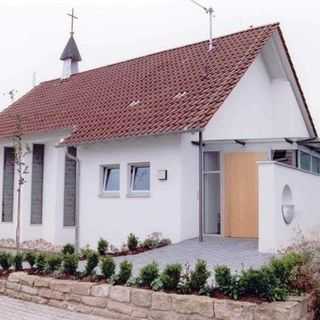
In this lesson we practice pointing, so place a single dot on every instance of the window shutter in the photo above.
(8, 185)
(37, 183)
(69, 211)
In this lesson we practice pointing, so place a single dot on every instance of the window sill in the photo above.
(104, 195)
(138, 195)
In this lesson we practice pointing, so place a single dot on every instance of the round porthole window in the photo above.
(287, 207)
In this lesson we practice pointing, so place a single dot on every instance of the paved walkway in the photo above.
(12, 309)
(235, 253)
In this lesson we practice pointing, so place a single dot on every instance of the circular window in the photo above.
(287, 207)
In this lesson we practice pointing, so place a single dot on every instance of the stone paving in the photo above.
(12, 309)
(238, 254)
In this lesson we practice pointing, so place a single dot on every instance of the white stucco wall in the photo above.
(52, 228)
(171, 208)
(274, 234)
(258, 108)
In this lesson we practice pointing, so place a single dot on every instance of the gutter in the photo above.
(201, 199)
(77, 207)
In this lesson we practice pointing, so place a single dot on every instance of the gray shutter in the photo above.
(8, 185)
(69, 210)
(37, 183)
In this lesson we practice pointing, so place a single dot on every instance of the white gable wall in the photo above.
(259, 107)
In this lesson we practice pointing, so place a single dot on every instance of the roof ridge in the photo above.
(167, 50)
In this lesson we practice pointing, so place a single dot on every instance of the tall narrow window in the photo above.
(8, 185)
(37, 183)
(70, 177)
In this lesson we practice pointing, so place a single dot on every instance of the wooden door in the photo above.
(241, 194)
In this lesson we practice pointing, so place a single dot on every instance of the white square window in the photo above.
(111, 178)
(140, 177)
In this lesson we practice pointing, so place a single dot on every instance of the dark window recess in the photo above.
(8, 185)
(69, 210)
(37, 183)
(284, 156)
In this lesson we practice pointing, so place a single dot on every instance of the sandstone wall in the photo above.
(123, 303)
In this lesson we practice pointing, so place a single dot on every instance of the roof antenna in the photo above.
(210, 12)
(34, 79)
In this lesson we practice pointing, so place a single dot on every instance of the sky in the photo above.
(33, 34)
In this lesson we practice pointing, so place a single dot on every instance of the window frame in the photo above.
(103, 176)
(138, 193)
(312, 157)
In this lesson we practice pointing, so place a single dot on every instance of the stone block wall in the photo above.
(123, 303)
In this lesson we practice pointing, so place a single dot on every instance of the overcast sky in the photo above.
(33, 34)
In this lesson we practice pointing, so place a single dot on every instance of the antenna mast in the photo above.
(210, 12)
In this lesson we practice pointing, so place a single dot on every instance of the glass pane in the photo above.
(305, 161)
(212, 214)
(112, 181)
(211, 161)
(141, 179)
(316, 165)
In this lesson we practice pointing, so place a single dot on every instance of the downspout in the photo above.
(200, 187)
(77, 206)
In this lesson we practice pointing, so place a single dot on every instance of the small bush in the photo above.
(150, 243)
(31, 258)
(102, 246)
(70, 263)
(41, 262)
(54, 262)
(85, 252)
(199, 276)
(170, 277)
(18, 261)
(148, 274)
(125, 272)
(5, 260)
(108, 267)
(283, 267)
(68, 249)
(132, 242)
(92, 262)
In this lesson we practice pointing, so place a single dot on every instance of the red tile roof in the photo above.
(172, 91)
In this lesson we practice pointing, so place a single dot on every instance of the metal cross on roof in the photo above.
(72, 20)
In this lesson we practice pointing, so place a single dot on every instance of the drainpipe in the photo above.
(200, 187)
(77, 213)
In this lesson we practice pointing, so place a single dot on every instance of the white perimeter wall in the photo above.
(172, 206)
(274, 234)
(259, 107)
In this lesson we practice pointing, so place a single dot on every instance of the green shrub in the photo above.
(92, 262)
(85, 252)
(68, 249)
(223, 276)
(108, 267)
(283, 267)
(31, 258)
(170, 277)
(148, 274)
(260, 283)
(41, 262)
(199, 276)
(18, 261)
(125, 272)
(102, 246)
(5, 260)
(54, 262)
(132, 242)
(70, 263)
(150, 243)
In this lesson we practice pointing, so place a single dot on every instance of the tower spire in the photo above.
(70, 55)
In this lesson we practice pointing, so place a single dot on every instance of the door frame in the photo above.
(221, 173)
